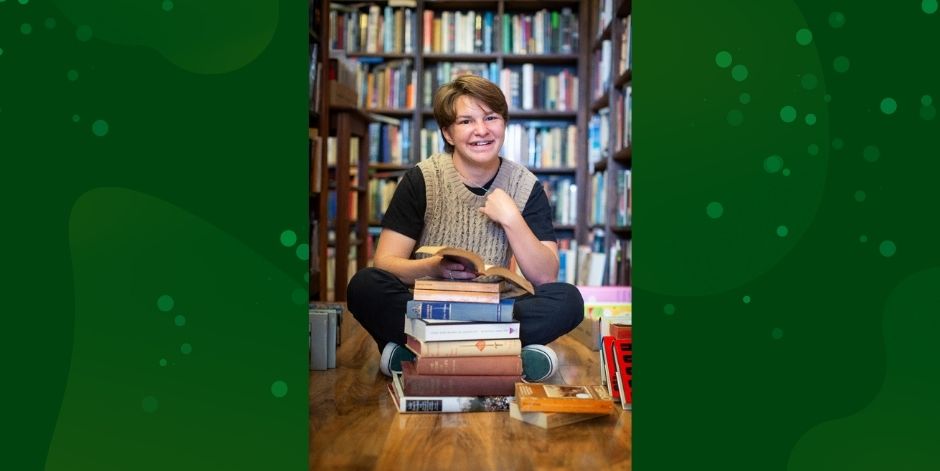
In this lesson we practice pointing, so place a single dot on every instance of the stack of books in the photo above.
(616, 362)
(325, 328)
(467, 347)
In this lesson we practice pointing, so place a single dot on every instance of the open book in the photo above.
(475, 263)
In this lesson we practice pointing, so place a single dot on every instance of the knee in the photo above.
(571, 303)
(362, 284)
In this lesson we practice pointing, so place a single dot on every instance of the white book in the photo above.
(528, 86)
(434, 404)
(318, 340)
(433, 330)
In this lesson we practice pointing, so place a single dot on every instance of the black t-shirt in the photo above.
(405, 213)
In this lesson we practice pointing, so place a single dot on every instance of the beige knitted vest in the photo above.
(452, 217)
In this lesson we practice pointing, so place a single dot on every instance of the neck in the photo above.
(476, 176)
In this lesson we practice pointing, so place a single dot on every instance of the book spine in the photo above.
(501, 365)
(457, 311)
(456, 385)
(465, 348)
(461, 331)
(447, 285)
(456, 296)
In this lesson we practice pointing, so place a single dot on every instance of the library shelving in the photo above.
(401, 51)
(610, 150)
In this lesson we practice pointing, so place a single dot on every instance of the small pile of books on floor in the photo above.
(326, 321)
(616, 361)
(467, 349)
(554, 405)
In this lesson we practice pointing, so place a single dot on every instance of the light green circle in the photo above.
(929, 6)
(735, 118)
(167, 5)
(812, 149)
(307, 277)
(836, 19)
(76, 118)
(669, 309)
(871, 153)
(100, 127)
(1, 51)
(279, 389)
(926, 100)
(165, 303)
(744, 98)
(723, 59)
(26, 28)
(773, 164)
(837, 144)
(786, 172)
(810, 119)
(841, 64)
(804, 37)
(928, 113)
(303, 252)
(776, 333)
(149, 404)
(859, 196)
(739, 72)
(23, 2)
(186, 349)
(787, 114)
(888, 105)
(72, 75)
(809, 81)
(179, 320)
(50, 23)
(782, 231)
(83, 33)
(288, 238)
(887, 248)
(746, 299)
(827, 98)
(299, 296)
(714, 210)
(863, 238)
(163, 362)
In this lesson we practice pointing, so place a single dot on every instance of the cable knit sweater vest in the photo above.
(452, 217)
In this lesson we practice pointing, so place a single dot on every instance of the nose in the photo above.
(480, 128)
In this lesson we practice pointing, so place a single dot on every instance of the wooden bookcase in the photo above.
(617, 155)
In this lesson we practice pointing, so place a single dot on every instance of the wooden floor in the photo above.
(354, 423)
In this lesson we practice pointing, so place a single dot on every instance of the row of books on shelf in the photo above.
(325, 334)
(373, 29)
(541, 144)
(390, 142)
(562, 193)
(437, 74)
(606, 63)
(619, 211)
(623, 111)
(594, 264)
(600, 142)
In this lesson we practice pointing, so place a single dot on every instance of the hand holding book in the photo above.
(473, 267)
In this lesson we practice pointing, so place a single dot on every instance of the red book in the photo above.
(608, 351)
(621, 331)
(456, 385)
(623, 360)
(487, 366)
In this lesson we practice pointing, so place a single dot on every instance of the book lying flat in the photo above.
(464, 348)
(427, 404)
(456, 296)
(498, 365)
(549, 420)
(461, 285)
(592, 399)
(461, 311)
(414, 384)
(475, 263)
(431, 330)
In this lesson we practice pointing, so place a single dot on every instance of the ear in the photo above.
(446, 134)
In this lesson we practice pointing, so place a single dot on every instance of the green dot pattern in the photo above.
(810, 119)
(786, 172)
(83, 33)
(669, 309)
(303, 252)
(165, 303)
(149, 404)
(837, 143)
(723, 59)
(163, 362)
(179, 320)
(773, 164)
(100, 128)
(860, 196)
(299, 296)
(76, 118)
(812, 149)
(279, 389)
(787, 114)
(776, 333)
(804, 37)
(863, 238)
(72, 75)
(809, 82)
(735, 117)
(50, 23)
(167, 5)
(714, 210)
(744, 98)
(926, 100)
(836, 19)
(186, 349)
(26, 28)
(782, 231)
(887, 248)
(841, 64)
(928, 113)
(889, 106)
(739, 73)
(871, 153)
(929, 6)
(288, 238)
(746, 299)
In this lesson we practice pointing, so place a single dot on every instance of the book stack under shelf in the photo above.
(403, 50)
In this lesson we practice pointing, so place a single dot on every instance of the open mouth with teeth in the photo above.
(481, 143)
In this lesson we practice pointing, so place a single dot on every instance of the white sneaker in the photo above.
(392, 356)
(538, 363)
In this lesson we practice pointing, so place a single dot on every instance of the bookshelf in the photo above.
(408, 48)
(318, 129)
(610, 150)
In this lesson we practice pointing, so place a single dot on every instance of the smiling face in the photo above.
(477, 133)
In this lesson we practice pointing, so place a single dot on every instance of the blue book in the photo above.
(461, 311)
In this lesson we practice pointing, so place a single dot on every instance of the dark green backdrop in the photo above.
(154, 194)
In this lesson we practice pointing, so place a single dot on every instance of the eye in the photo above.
(463, 121)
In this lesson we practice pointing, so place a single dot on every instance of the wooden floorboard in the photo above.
(354, 423)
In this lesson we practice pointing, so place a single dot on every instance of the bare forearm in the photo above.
(539, 263)
(407, 270)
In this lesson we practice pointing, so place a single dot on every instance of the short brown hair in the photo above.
(445, 100)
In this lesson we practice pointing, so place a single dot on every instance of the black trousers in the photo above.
(378, 300)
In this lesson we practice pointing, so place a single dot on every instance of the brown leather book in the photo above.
(464, 348)
(455, 385)
(486, 366)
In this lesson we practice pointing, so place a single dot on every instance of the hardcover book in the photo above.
(623, 370)
(464, 348)
(475, 263)
(548, 420)
(461, 285)
(414, 384)
(456, 296)
(461, 311)
(498, 365)
(534, 397)
(431, 404)
(430, 330)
